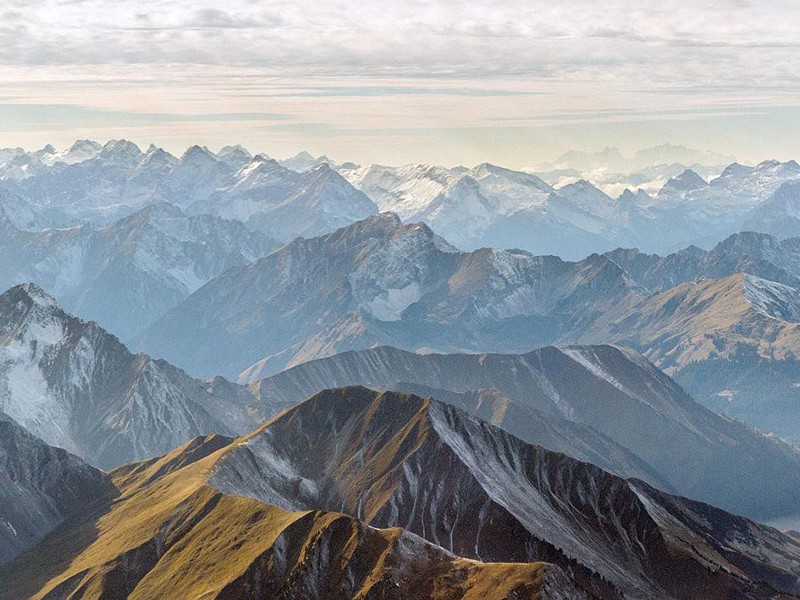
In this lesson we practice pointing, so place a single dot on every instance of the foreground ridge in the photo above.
(364, 494)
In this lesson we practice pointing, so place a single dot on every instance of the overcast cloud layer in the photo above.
(459, 81)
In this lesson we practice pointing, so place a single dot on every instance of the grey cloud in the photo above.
(675, 43)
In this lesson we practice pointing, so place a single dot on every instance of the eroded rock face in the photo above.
(170, 535)
(380, 281)
(395, 460)
(77, 387)
(40, 487)
(363, 494)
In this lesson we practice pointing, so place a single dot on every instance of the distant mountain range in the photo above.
(126, 274)
(99, 184)
(400, 382)
(356, 493)
(483, 206)
(492, 206)
(379, 281)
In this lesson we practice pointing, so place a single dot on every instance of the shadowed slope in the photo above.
(601, 404)
(172, 536)
(393, 459)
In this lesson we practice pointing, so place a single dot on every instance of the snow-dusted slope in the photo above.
(772, 299)
(756, 254)
(170, 535)
(285, 204)
(733, 343)
(99, 184)
(601, 404)
(486, 206)
(492, 206)
(483, 206)
(379, 282)
(127, 274)
(77, 387)
(398, 460)
(779, 214)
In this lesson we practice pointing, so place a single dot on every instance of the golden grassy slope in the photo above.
(170, 535)
(697, 321)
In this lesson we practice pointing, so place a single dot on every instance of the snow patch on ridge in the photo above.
(390, 305)
(29, 402)
(587, 358)
(772, 299)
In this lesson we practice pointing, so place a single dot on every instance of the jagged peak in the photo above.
(735, 170)
(630, 196)
(120, 151)
(234, 149)
(687, 178)
(234, 156)
(261, 166)
(485, 169)
(34, 292)
(304, 155)
(85, 144)
(747, 238)
(195, 153)
(159, 156)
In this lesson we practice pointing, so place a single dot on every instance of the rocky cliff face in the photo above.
(171, 535)
(467, 486)
(363, 494)
(40, 487)
(126, 274)
(381, 282)
(77, 387)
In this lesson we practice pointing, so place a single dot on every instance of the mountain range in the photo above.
(379, 281)
(486, 205)
(126, 274)
(600, 404)
(497, 207)
(362, 494)
(90, 183)
(731, 341)
(226, 376)
(77, 387)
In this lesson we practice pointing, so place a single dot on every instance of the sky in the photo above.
(458, 82)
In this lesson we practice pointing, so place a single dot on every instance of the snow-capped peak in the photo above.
(37, 295)
(120, 152)
(80, 151)
(234, 156)
(198, 154)
(158, 156)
